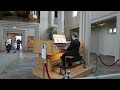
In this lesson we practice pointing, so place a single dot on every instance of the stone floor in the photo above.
(19, 65)
(101, 68)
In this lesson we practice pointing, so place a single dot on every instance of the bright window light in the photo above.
(110, 30)
(14, 27)
(114, 30)
(74, 13)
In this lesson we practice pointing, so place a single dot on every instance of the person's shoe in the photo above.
(61, 57)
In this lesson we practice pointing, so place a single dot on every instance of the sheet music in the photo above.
(55, 40)
(59, 39)
(63, 40)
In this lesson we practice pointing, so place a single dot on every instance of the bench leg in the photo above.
(84, 63)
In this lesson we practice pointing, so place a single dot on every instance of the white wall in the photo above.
(72, 21)
(94, 40)
(95, 16)
(101, 41)
(101, 15)
(66, 25)
(98, 40)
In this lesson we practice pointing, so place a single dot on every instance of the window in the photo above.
(110, 30)
(114, 30)
(34, 13)
(74, 13)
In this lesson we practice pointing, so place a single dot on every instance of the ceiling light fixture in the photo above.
(100, 24)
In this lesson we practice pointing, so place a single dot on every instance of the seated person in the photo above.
(73, 49)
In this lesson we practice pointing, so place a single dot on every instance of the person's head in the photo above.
(74, 35)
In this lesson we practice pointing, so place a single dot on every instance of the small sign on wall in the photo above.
(43, 53)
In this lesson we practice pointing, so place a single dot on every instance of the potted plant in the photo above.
(51, 31)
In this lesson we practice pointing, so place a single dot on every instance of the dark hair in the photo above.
(75, 34)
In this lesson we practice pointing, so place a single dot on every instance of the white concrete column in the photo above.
(66, 29)
(51, 16)
(81, 25)
(43, 25)
(37, 35)
(60, 29)
(85, 33)
(117, 45)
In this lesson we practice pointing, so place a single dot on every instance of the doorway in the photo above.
(16, 37)
(19, 37)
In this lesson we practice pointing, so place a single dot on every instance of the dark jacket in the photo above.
(73, 48)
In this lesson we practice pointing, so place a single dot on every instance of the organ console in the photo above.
(55, 49)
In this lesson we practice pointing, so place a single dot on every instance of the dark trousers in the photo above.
(8, 47)
(18, 46)
(63, 57)
(70, 53)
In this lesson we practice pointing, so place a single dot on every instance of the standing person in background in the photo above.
(18, 44)
(9, 42)
(14, 45)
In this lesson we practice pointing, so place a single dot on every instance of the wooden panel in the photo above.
(48, 46)
(79, 67)
(75, 74)
(39, 72)
(83, 72)
(55, 57)
(36, 47)
(55, 49)
(51, 49)
(82, 48)
(30, 41)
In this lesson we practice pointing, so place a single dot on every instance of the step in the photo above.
(82, 72)
(57, 70)
(78, 72)
(39, 73)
